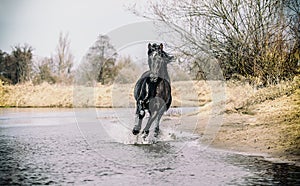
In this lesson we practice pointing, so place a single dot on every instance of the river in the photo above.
(95, 147)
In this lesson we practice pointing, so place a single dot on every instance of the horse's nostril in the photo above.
(153, 77)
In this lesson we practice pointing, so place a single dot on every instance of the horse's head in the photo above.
(157, 61)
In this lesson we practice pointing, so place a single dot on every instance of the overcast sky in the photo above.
(39, 22)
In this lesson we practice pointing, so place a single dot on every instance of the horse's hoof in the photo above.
(145, 133)
(156, 132)
(135, 132)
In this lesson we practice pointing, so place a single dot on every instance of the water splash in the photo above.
(122, 134)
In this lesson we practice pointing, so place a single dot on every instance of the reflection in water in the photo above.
(157, 148)
(45, 147)
(265, 172)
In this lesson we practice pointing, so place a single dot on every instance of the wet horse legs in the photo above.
(140, 112)
(157, 108)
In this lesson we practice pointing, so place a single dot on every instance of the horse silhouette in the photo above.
(152, 91)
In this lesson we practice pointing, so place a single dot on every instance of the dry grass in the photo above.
(28, 95)
(115, 95)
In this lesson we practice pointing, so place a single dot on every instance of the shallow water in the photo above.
(95, 147)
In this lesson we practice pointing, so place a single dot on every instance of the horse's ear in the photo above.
(149, 46)
(161, 47)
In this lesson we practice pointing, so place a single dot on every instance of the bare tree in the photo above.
(99, 63)
(63, 59)
(251, 37)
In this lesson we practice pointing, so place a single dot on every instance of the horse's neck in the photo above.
(163, 73)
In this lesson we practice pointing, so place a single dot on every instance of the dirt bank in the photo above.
(262, 122)
(271, 127)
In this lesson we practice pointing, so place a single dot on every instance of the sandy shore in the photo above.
(262, 122)
(232, 116)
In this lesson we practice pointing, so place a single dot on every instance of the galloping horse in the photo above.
(152, 91)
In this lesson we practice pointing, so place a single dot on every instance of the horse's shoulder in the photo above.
(145, 74)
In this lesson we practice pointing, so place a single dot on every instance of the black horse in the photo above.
(152, 91)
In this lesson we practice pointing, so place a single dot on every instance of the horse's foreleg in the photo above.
(140, 113)
(136, 129)
(160, 114)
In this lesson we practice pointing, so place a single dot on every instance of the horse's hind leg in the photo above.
(156, 108)
(140, 112)
(153, 116)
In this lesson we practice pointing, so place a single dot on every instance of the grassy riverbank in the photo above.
(102, 96)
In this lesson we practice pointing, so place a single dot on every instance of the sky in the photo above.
(38, 23)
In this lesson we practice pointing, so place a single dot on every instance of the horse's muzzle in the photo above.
(153, 77)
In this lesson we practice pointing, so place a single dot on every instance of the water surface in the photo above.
(95, 147)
